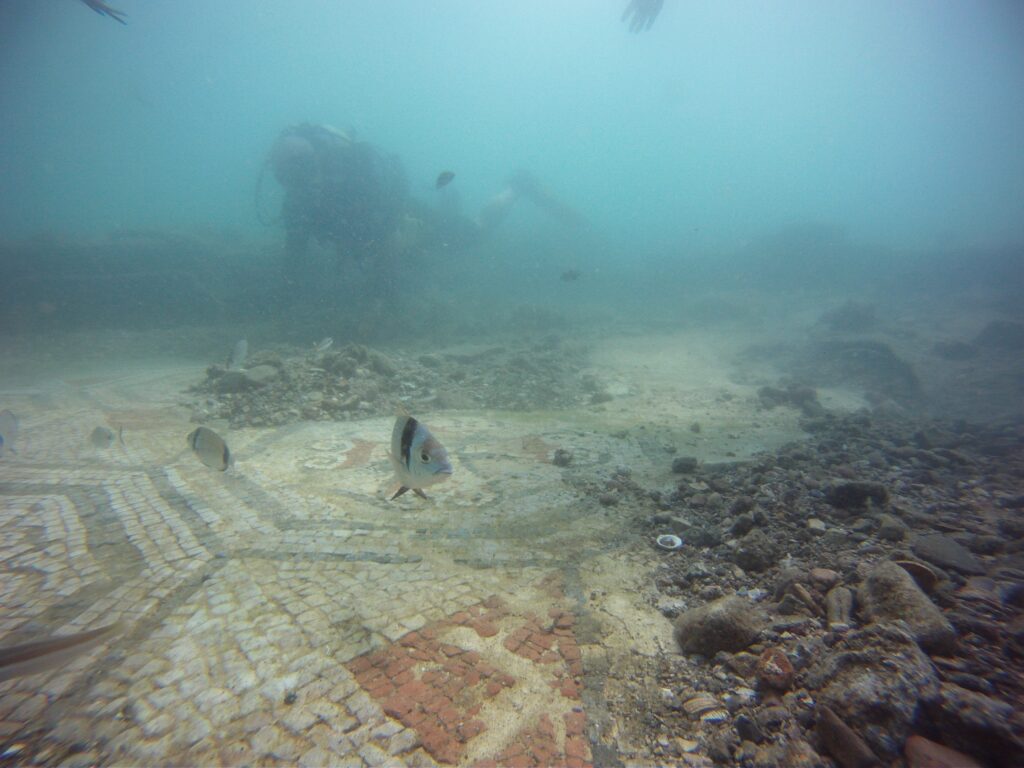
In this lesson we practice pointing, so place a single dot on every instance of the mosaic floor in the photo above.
(285, 612)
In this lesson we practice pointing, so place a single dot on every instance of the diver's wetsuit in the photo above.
(342, 192)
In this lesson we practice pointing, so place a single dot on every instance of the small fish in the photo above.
(323, 345)
(238, 355)
(571, 275)
(210, 448)
(53, 652)
(8, 431)
(418, 458)
(444, 178)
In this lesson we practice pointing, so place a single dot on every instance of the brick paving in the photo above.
(284, 611)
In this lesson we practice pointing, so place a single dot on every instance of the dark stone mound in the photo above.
(856, 494)
(851, 317)
(1001, 334)
(872, 364)
(954, 350)
(795, 395)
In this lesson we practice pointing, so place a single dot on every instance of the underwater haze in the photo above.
(576, 383)
(900, 123)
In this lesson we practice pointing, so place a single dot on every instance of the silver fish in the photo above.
(210, 448)
(418, 458)
(8, 431)
(53, 652)
(323, 345)
(237, 358)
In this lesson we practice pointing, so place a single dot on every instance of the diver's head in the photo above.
(294, 161)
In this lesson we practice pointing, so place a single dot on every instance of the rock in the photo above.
(749, 730)
(925, 577)
(839, 608)
(684, 464)
(804, 398)
(946, 553)
(890, 594)
(891, 528)
(824, 578)
(875, 679)
(742, 525)
(727, 624)
(562, 457)
(774, 670)
(978, 724)
(922, 753)
(741, 505)
(791, 605)
(261, 375)
(756, 552)
(231, 382)
(840, 741)
(814, 525)
(787, 578)
(856, 494)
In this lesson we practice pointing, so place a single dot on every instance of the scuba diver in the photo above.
(346, 194)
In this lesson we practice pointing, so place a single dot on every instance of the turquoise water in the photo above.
(899, 123)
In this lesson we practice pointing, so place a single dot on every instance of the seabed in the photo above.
(286, 612)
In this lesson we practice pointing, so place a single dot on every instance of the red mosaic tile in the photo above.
(436, 687)
(359, 665)
(575, 722)
(484, 628)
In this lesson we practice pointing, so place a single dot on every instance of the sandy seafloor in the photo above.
(285, 612)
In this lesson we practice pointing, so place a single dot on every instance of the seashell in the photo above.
(924, 576)
(699, 704)
(669, 542)
(715, 716)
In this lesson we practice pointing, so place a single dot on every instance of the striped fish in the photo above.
(210, 448)
(418, 458)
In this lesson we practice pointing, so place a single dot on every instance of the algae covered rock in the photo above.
(876, 680)
(889, 593)
(727, 624)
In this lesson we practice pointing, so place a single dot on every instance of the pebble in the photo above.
(891, 528)
(922, 753)
(947, 553)
(842, 743)
(839, 608)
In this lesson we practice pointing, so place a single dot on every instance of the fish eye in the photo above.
(424, 457)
